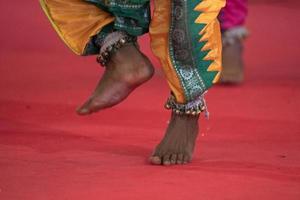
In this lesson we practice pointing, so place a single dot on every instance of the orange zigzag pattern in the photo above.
(211, 33)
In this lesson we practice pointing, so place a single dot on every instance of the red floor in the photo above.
(250, 149)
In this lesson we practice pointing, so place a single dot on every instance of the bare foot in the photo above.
(177, 146)
(127, 69)
(232, 72)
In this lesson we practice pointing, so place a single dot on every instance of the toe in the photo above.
(173, 159)
(155, 160)
(179, 158)
(84, 109)
(166, 159)
(186, 159)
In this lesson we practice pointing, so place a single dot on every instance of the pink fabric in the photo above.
(234, 14)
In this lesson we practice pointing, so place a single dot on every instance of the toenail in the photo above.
(83, 111)
(179, 162)
(155, 160)
(167, 163)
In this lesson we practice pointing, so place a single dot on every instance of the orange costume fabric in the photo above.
(185, 36)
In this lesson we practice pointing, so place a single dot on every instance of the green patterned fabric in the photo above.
(201, 64)
(187, 59)
(132, 16)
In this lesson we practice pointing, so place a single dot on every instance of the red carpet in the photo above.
(250, 149)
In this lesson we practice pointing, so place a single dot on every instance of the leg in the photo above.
(186, 37)
(233, 18)
(128, 67)
(85, 25)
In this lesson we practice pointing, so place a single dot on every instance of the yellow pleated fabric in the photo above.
(75, 21)
(159, 34)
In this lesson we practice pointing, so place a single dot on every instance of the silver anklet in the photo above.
(113, 42)
(193, 108)
(233, 35)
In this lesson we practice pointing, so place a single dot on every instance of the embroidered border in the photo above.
(181, 51)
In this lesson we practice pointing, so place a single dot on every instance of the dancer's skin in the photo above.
(178, 144)
(233, 72)
(127, 69)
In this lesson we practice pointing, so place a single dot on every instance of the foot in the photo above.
(177, 146)
(127, 69)
(232, 72)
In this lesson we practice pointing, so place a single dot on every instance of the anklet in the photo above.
(113, 42)
(233, 35)
(193, 108)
